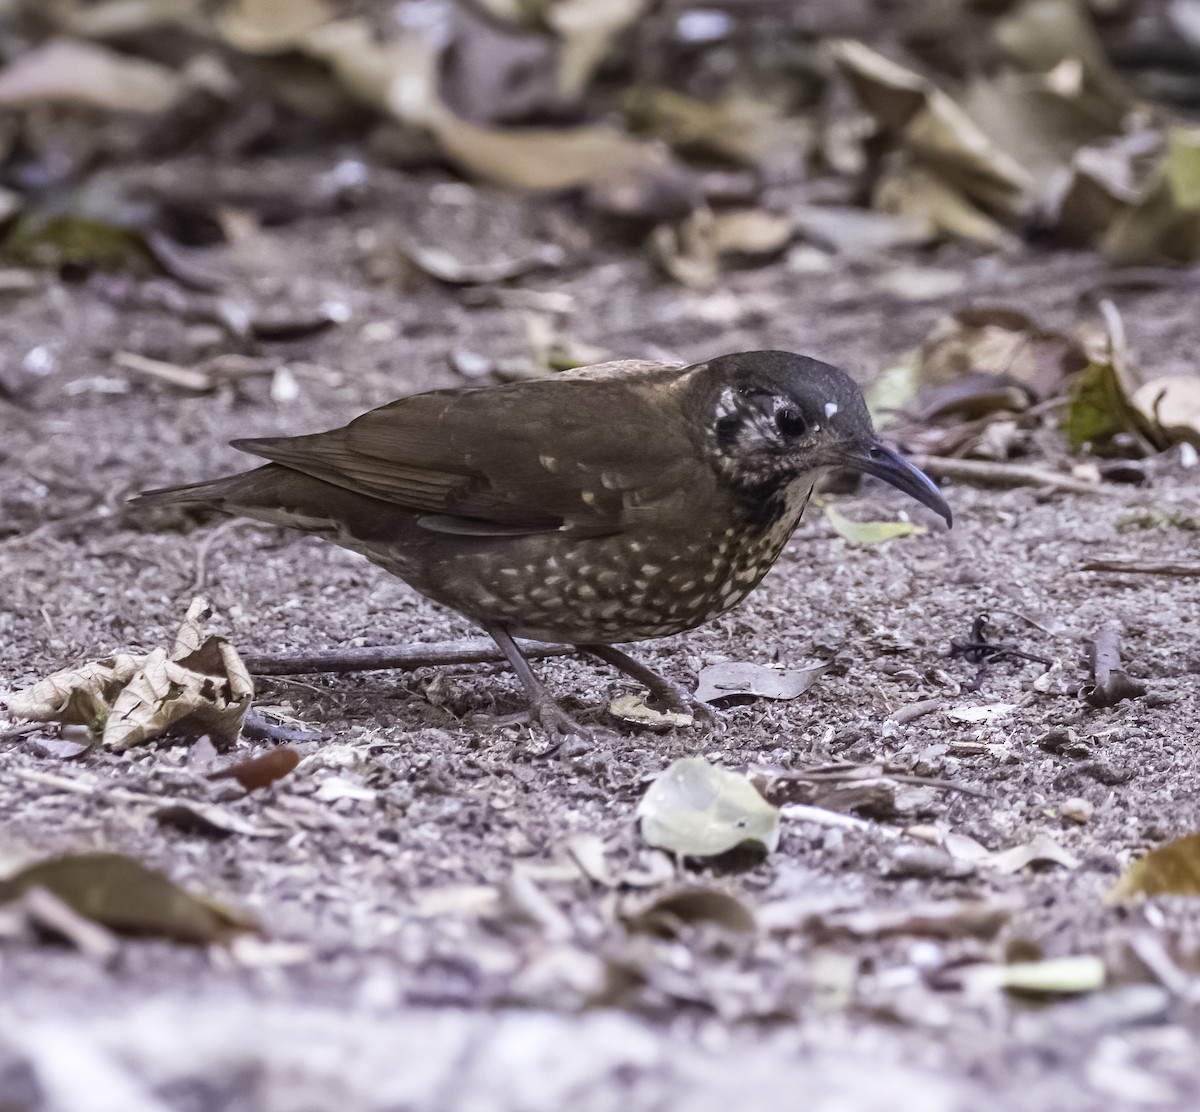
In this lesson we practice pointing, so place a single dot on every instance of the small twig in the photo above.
(186, 378)
(903, 715)
(1143, 567)
(472, 650)
(1006, 474)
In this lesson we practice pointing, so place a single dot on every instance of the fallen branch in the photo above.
(1006, 474)
(473, 650)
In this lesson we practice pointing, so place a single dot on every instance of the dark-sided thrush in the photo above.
(610, 504)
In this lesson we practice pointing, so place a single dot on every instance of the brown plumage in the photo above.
(611, 504)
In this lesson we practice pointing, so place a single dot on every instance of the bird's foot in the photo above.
(671, 696)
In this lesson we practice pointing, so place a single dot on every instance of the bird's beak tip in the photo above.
(888, 465)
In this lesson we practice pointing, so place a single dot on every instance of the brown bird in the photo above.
(610, 504)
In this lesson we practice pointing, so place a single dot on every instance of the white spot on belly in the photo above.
(830, 409)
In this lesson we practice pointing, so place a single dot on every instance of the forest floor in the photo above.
(431, 940)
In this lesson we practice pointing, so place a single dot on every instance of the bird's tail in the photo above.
(238, 494)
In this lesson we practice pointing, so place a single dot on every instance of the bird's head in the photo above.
(773, 418)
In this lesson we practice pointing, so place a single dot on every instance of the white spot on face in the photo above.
(589, 497)
(830, 409)
(548, 462)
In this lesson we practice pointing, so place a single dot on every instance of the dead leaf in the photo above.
(733, 679)
(586, 30)
(205, 692)
(67, 71)
(1164, 227)
(78, 696)
(260, 772)
(1172, 869)
(547, 159)
(921, 198)
(271, 26)
(634, 710)
(442, 263)
(1052, 36)
(751, 233)
(1043, 850)
(736, 130)
(129, 700)
(959, 164)
(869, 532)
(667, 914)
(125, 896)
(695, 809)
(1173, 404)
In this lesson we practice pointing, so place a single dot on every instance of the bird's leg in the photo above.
(543, 706)
(666, 692)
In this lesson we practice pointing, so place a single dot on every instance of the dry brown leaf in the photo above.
(73, 72)
(271, 26)
(919, 118)
(260, 772)
(130, 699)
(736, 130)
(586, 29)
(547, 159)
(125, 896)
(1043, 850)
(1173, 404)
(1170, 870)
(78, 696)
(750, 232)
(924, 199)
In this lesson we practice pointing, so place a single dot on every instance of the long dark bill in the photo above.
(895, 470)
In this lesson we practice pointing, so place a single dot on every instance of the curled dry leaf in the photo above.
(130, 699)
(695, 809)
(869, 532)
(127, 897)
(206, 692)
(73, 72)
(1169, 870)
(736, 678)
(76, 696)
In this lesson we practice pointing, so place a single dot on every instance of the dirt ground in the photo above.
(430, 942)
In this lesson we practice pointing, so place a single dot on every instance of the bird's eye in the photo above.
(789, 422)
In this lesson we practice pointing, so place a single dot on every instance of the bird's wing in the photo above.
(583, 451)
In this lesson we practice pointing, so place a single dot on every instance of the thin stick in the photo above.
(472, 650)
(1006, 474)
(1143, 567)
